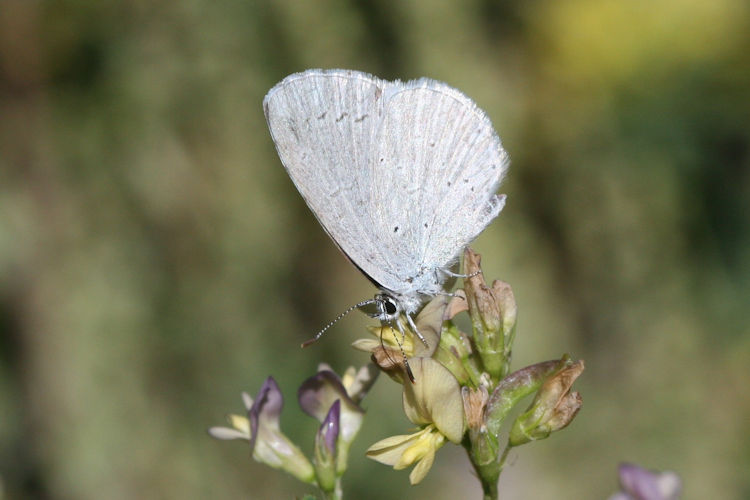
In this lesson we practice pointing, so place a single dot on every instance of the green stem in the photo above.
(489, 489)
(488, 473)
(336, 493)
(489, 485)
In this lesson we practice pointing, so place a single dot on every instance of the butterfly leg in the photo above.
(414, 328)
(450, 273)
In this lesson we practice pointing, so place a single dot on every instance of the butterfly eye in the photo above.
(390, 306)
(386, 308)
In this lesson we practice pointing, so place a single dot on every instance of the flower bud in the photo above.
(553, 408)
(455, 353)
(483, 451)
(326, 446)
(515, 387)
(493, 317)
(506, 302)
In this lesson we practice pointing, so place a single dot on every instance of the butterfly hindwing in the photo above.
(437, 166)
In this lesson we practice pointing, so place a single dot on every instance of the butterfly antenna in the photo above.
(329, 325)
(401, 347)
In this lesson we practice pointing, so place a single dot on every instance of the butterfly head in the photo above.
(387, 308)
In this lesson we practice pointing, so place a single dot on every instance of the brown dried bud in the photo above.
(475, 401)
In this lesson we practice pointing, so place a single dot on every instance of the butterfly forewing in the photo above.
(323, 124)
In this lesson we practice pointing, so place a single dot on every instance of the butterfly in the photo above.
(401, 175)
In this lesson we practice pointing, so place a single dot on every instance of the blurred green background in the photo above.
(155, 260)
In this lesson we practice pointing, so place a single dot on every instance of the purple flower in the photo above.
(638, 483)
(333, 402)
(261, 428)
(317, 395)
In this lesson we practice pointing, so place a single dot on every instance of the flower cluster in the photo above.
(463, 390)
(456, 387)
(332, 400)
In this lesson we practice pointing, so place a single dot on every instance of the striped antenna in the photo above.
(400, 346)
(329, 325)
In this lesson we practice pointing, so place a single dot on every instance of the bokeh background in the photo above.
(155, 260)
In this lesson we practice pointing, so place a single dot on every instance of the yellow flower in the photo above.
(434, 401)
(409, 449)
(435, 398)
